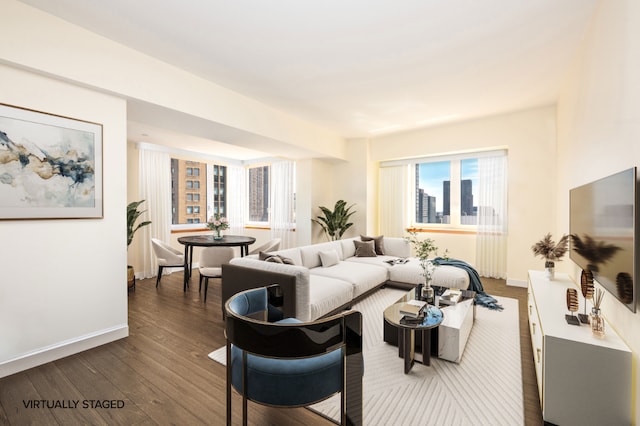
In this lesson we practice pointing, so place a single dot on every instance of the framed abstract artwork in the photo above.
(50, 166)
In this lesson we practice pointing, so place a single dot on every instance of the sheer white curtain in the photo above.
(281, 200)
(394, 200)
(491, 244)
(154, 187)
(236, 202)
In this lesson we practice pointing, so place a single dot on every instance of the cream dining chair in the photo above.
(210, 264)
(167, 256)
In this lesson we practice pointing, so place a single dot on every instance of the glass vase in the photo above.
(597, 322)
(428, 293)
(216, 235)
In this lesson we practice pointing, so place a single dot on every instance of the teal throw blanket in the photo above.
(482, 298)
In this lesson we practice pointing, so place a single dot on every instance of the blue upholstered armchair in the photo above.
(290, 363)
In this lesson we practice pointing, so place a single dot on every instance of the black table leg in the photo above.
(408, 345)
(186, 267)
(426, 347)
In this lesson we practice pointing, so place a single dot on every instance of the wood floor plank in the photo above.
(163, 374)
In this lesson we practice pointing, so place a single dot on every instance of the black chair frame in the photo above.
(255, 335)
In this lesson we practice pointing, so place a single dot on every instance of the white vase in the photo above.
(549, 270)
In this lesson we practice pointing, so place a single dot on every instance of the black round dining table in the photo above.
(191, 241)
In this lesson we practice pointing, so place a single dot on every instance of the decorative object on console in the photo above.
(336, 222)
(572, 306)
(597, 320)
(217, 223)
(551, 252)
(586, 285)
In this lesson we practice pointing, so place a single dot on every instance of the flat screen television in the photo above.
(603, 225)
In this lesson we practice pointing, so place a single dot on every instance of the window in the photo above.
(258, 194)
(444, 192)
(219, 185)
(433, 192)
(468, 184)
(193, 199)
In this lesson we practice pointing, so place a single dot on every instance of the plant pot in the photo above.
(549, 270)
(131, 278)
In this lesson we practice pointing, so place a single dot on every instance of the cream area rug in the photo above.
(484, 389)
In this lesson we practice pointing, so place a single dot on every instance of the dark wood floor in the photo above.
(161, 373)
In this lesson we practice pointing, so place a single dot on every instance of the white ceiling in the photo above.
(359, 67)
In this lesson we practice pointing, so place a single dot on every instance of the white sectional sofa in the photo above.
(329, 277)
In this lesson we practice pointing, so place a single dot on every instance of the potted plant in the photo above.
(551, 252)
(424, 248)
(335, 223)
(132, 216)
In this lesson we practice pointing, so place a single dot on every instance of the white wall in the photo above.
(77, 293)
(530, 137)
(599, 130)
(63, 282)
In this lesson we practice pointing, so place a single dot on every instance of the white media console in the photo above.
(582, 379)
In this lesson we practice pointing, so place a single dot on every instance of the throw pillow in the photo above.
(377, 241)
(365, 248)
(274, 259)
(329, 258)
(263, 256)
(268, 257)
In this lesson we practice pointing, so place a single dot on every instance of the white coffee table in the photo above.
(454, 331)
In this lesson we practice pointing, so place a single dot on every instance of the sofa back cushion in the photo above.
(398, 247)
(348, 247)
(292, 253)
(311, 254)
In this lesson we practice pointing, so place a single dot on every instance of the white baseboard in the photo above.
(62, 349)
(517, 283)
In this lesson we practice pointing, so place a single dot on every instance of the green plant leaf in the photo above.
(335, 222)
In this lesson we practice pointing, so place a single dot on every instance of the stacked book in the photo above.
(413, 308)
(451, 296)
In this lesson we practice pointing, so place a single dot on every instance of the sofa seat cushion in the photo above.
(444, 276)
(362, 276)
(327, 294)
(378, 260)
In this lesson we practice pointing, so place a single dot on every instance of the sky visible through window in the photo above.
(432, 175)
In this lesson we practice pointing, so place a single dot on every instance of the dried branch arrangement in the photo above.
(548, 249)
(598, 294)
